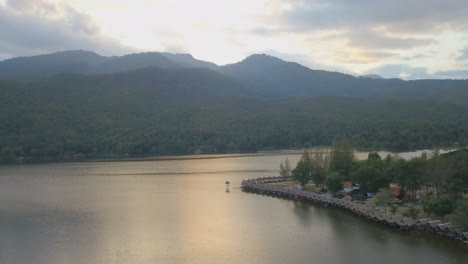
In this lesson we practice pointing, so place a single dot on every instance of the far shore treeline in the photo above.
(434, 185)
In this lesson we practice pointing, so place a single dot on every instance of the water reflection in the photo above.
(178, 211)
(303, 212)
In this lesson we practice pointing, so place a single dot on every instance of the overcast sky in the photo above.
(409, 39)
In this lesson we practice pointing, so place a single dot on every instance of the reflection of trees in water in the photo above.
(302, 211)
(349, 231)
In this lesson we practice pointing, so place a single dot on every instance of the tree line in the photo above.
(439, 182)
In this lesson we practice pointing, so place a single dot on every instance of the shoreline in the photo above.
(360, 154)
(368, 211)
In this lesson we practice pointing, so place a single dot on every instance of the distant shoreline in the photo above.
(360, 153)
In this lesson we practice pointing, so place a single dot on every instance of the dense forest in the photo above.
(178, 110)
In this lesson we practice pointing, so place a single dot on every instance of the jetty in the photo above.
(366, 210)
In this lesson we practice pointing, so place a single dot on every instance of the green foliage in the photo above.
(370, 173)
(382, 197)
(408, 174)
(460, 213)
(334, 182)
(393, 208)
(302, 172)
(439, 207)
(413, 212)
(319, 168)
(342, 158)
(285, 168)
(176, 111)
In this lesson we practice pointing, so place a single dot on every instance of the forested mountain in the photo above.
(50, 64)
(90, 63)
(275, 77)
(267, 76)
(157, 111)
(111, 106)
(188, 60)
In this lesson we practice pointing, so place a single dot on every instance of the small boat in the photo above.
(227, 182)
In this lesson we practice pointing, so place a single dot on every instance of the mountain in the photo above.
(78, 61)
(189, 61)
(132, 62)
(90, 63)
(281, 78)
(372, 76)
(274, 77)
(161, 111)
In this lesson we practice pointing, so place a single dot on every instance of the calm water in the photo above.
(178, 211)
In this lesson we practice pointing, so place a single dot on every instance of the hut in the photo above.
(441, 228)
(464, 237)
(383, 218)
(394, 220)
(423, 222)
(432, 225)
(406, 223)
(452, 230)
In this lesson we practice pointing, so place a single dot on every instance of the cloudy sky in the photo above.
(411, 39)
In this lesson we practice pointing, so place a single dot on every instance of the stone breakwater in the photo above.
(367, 210)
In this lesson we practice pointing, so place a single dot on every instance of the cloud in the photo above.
(397, 15)
(374, 24)
(463, 54)
(408, 72)
(419, 56)
(456, 74)
(368, 39)
(402, 71)
(361, 56)
(30, 27)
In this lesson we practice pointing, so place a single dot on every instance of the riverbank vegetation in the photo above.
(431, 185)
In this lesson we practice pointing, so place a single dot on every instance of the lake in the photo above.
(180, 211)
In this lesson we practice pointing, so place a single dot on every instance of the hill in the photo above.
(90, 63)
(278, 78)
(160, 111)
(267, 76)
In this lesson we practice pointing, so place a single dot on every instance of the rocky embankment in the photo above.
(367, 210)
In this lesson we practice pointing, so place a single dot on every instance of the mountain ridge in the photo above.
(266, 76)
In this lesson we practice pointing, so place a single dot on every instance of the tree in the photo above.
(460, 214)
(409, 174)
(342, 158)
(370, 174)
(383, 197)
(393, 208)
(413, 212)
(319, 162)
(439, 172)
(334, 182)
(439, 207)
(285, 168)
(302, 172)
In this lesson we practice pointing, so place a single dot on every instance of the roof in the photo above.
(350, 189)
(424, 221)
(454, 227)
(434, 223)
(443, 226)
(407, 221)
